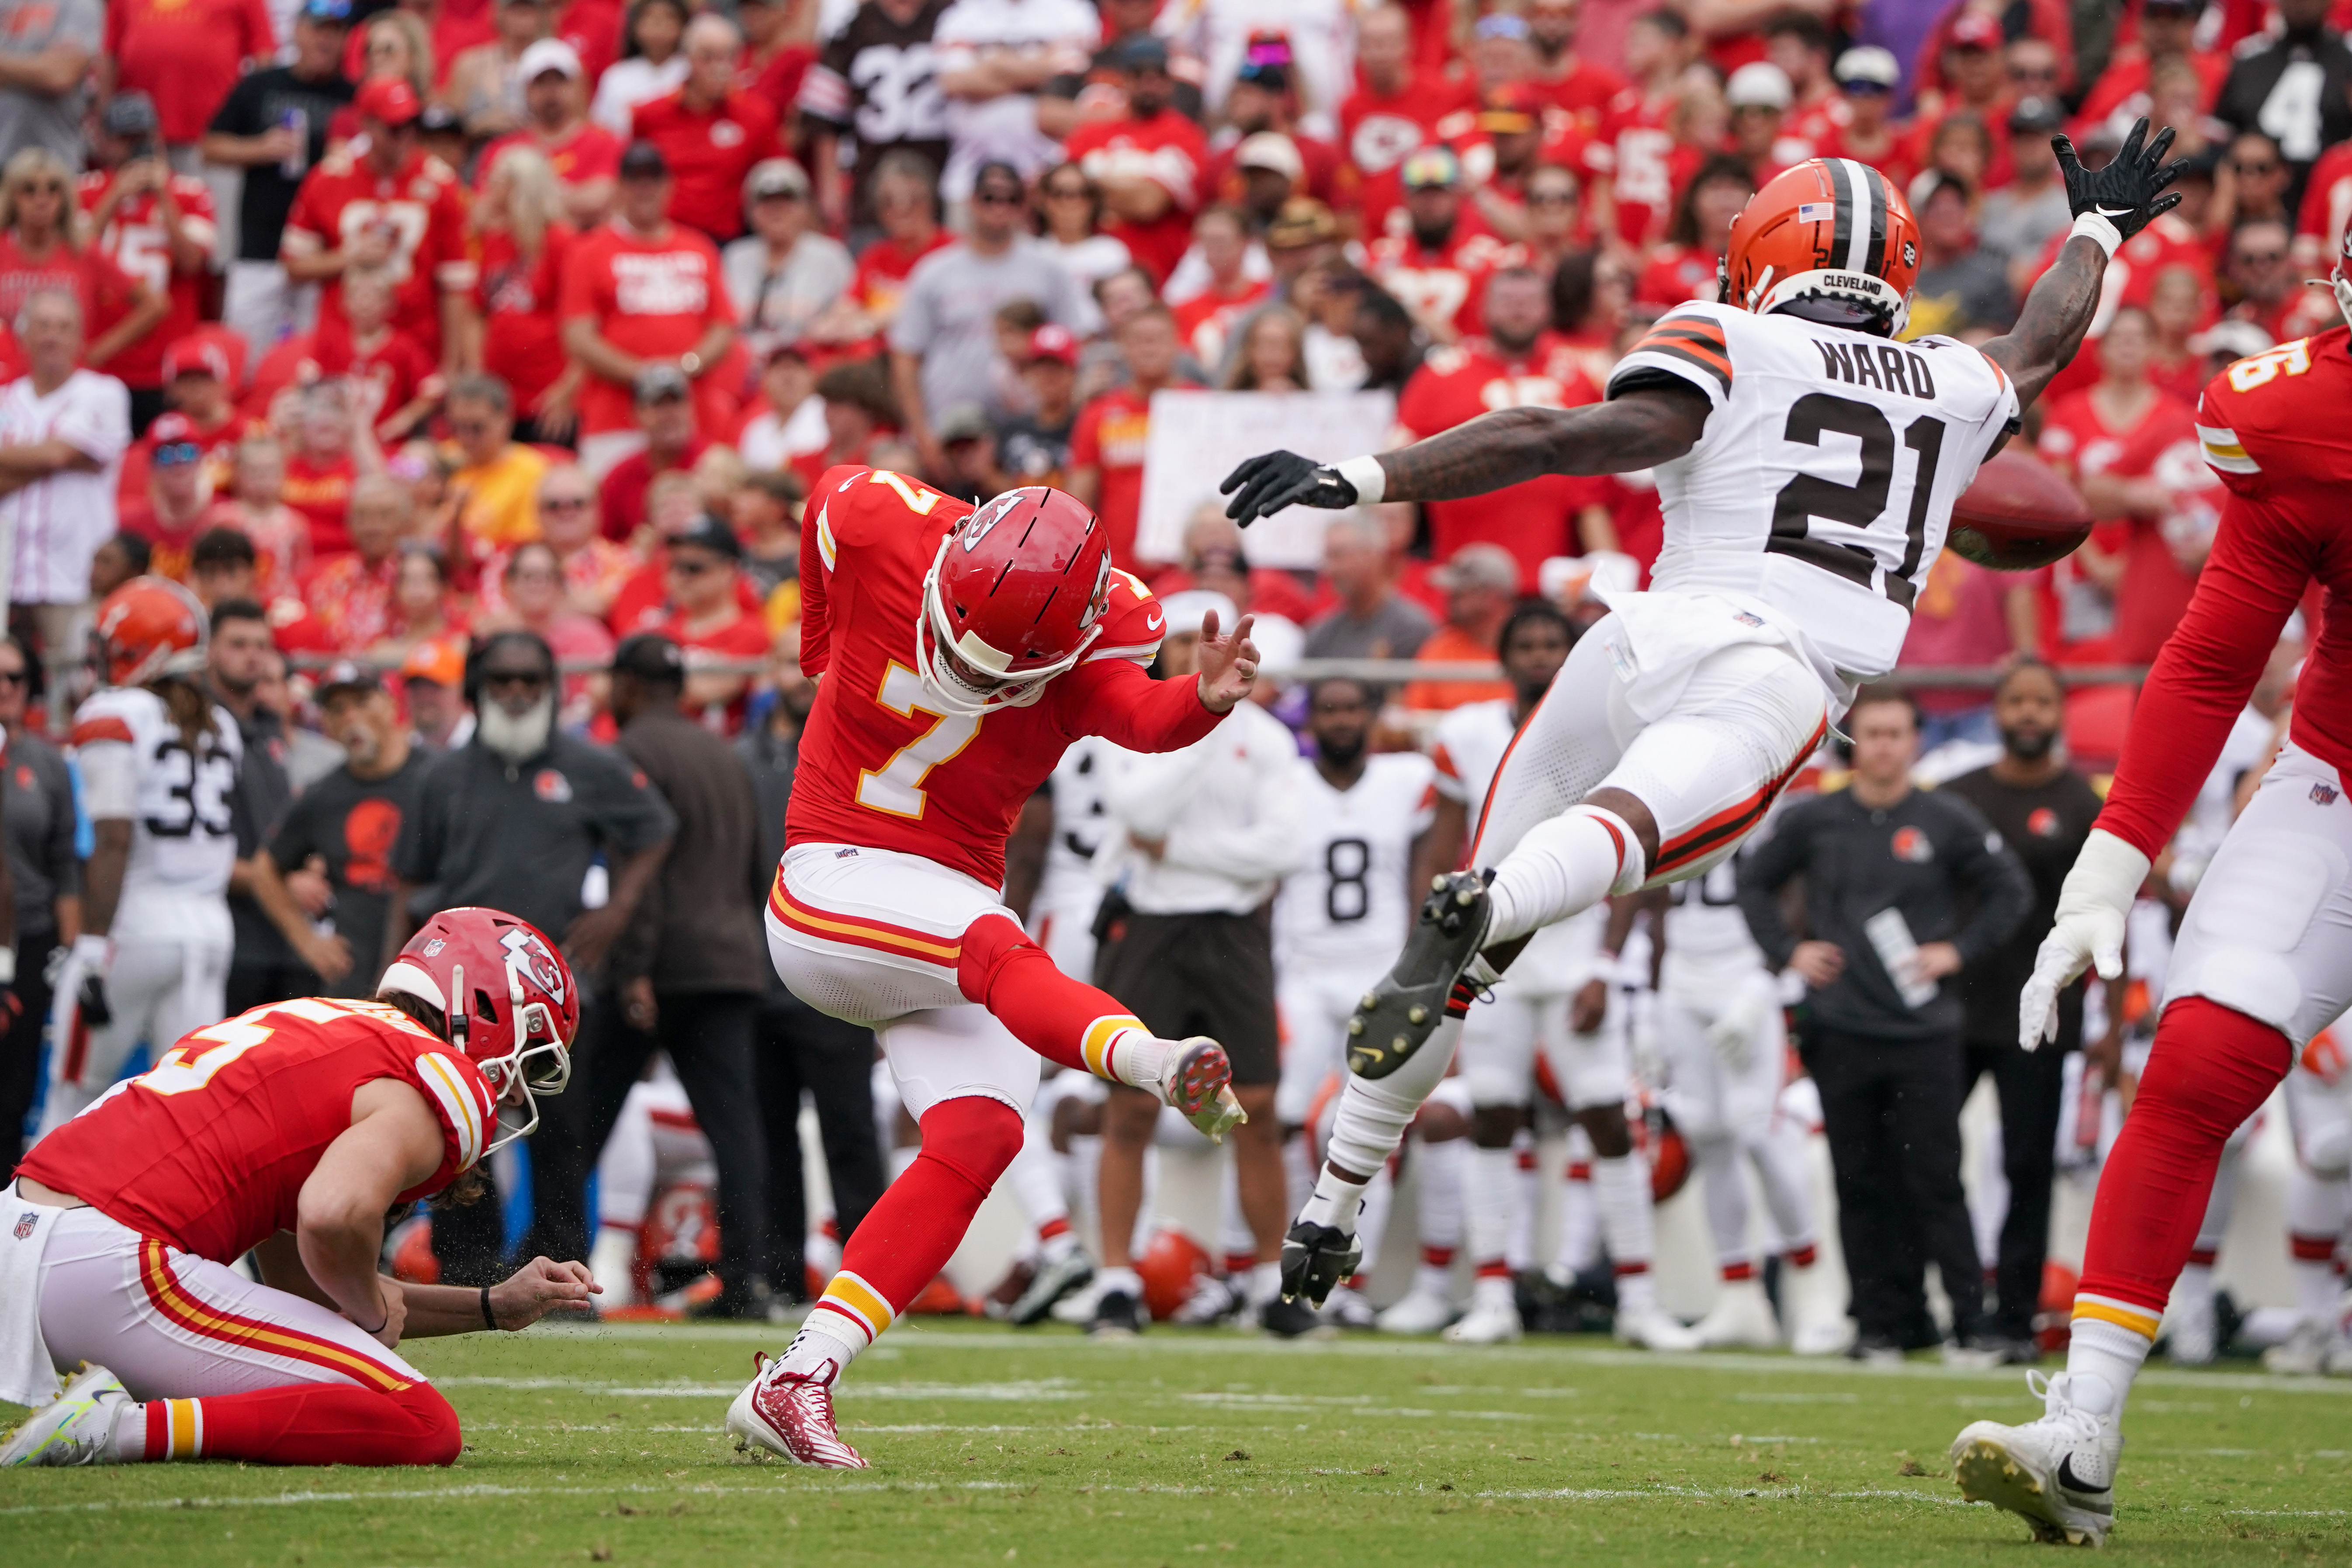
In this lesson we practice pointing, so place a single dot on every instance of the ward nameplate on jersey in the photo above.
(1196, 438)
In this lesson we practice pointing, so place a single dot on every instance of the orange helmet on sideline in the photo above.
(1831, 240)
(148, 629)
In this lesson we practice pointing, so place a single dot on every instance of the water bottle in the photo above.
(297, 162)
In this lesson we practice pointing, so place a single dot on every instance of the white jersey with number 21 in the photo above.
(1822, 486)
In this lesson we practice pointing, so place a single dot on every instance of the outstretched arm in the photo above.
(1644, 427)
(2110, 204)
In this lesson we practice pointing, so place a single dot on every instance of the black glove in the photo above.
(1273, 481)
(2124, 192)
(96, 1011)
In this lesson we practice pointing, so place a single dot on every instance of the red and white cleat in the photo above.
(1198, 1081)
(790, 1415)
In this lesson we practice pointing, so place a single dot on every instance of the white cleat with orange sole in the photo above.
(2058, 1473)
(790, 1415)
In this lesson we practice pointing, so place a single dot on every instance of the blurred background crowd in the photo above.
(462, 353)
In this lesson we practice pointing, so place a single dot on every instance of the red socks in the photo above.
(908, 1238)
(2211, 1068)
(308, 1423)
(1064, 1020)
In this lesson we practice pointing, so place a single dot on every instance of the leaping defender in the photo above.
(1807, 464)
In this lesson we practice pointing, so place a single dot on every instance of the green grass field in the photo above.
(604, 1445)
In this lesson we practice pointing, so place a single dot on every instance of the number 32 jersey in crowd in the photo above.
(134, 763)
(1823, 484)
(208, 1151)
(880, 765)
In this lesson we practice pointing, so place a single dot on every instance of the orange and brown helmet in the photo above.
(1831, 240)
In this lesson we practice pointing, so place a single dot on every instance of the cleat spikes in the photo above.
(1355, 1026)
(1417, 1014)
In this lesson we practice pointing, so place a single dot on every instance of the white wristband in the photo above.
(7, 965)
(2099, 232)
(2106, 875)
(1372, 481)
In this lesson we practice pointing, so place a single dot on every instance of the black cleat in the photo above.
(1116, 1317)
(1397, 1017)
(1288, 1320)
(1315, 1258)
(1052, 1282)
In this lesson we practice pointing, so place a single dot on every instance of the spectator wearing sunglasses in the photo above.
(178, 496)
(943, 340)
(499, 477)
(706, 619)
(514, 819)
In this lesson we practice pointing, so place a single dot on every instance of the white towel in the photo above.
(26, 1376)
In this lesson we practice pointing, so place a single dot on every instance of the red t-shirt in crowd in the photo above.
(1169, 150)
(1444, 284)
(169, 546)
(1583, 92)
(135, 240)
(643, 603)
(592, 28)
(1635, 152)
(1535, 520)
(1676, 274)
(459, 26)
(709, 152)
(1206, 321)
(651, 297)
(777, 78)
(396, 363)
(186, 55)
(2156, 588)
(322, 494)
(588, 153)
(1378, 133)
(744, 635)
(626, 485)
(422, 206)
(1110, 435)
(103, 288)
(522, 341)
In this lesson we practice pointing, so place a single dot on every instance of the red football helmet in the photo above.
(1015, 594)
(1830, 231)
(508, 997)
(148, 628)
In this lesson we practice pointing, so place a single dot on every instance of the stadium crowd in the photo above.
(473, 362)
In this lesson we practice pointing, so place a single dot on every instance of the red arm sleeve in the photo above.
(2201, 679)
(1116, 700)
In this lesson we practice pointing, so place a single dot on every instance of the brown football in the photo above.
(2019, 514)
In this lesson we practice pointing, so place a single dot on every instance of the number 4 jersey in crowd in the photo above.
(1820, 493)
(135, 763)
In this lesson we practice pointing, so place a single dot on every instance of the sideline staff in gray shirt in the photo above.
(1889, 1072)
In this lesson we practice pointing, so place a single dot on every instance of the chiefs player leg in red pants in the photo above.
(286, 1132)
(961, 651)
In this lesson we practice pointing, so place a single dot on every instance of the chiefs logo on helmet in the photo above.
(506, 997)
(1829, 241)
(1017, 606)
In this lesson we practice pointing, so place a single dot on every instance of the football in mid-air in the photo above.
(2019, 514)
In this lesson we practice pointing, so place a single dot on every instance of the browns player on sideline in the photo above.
(1799, 526)
(2264, 956)
(286, 1132)
(961, 652)
(159, 762)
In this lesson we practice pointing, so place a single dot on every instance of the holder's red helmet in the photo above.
(148, 628)
(1832, 232)
(1016, 594)
(509, 998)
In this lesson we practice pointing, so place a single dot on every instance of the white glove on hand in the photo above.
(1734, 1028)
(2093, 905)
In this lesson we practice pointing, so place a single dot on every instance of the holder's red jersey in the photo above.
(2273, 427)
(208, 1151)
(880, 768)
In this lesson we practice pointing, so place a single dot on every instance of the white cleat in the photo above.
(77, 1428)
(2057, 1473)
(2188, 1332)
(790, 1415)
(2305, 1353)
(1198, 1081)
(1741, 1319)
(1820, 1333)
(1650, 1329)
(1346, 1307)
(1212, 1300)
(1420, 1312)
(1489, 1322)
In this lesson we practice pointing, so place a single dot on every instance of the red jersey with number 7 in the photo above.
(208, 1150)
(882, 768)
